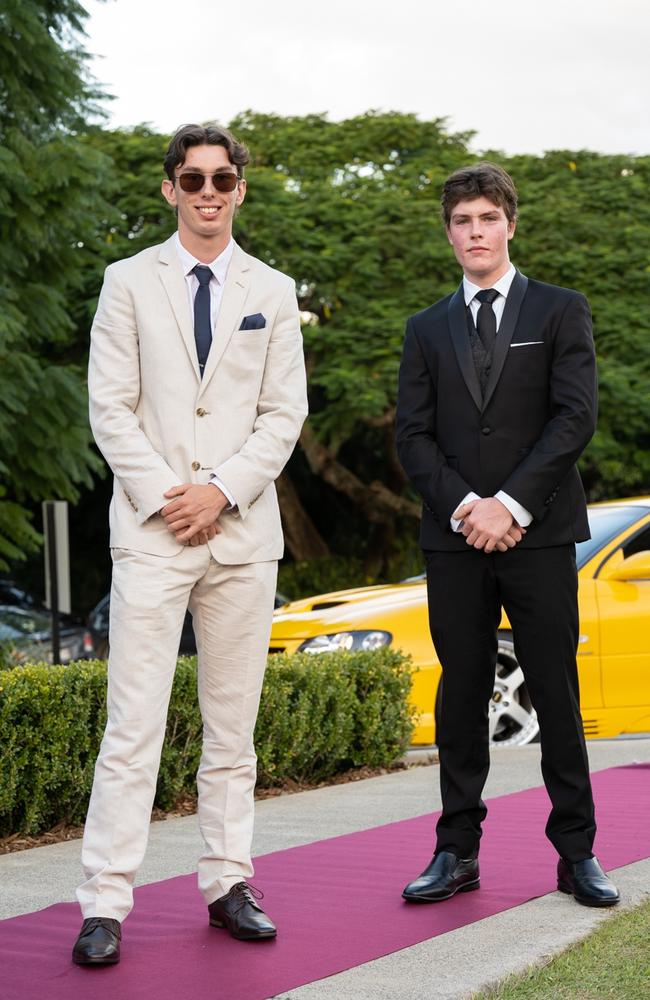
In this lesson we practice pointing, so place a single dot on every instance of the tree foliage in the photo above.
(585, 223)
(356, 221)
(351, 210)
(50, 199)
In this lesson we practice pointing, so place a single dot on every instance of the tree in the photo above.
(351, 210)
(585, 223)
(50, 200)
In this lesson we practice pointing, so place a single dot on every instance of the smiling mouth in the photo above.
(209, 211)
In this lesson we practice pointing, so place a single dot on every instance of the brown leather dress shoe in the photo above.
(586, 882)
(239, 912)
(98, 942)
(443, 878)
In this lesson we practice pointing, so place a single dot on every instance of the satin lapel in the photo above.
(235, 291)
(173, 279)
(506, 330)
(457, 313)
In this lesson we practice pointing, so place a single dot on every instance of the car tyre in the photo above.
(511, 716)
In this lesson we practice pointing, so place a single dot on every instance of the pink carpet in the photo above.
(336, 902)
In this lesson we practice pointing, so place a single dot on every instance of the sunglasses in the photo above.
(192, 181)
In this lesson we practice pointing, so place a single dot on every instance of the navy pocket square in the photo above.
(254, 322)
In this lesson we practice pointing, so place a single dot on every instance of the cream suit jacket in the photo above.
(158, 424)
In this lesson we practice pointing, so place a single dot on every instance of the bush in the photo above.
(319, 715)
(51, 723)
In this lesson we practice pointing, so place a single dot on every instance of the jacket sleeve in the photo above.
(440, 487)
(114, 391)
(281, 411)
(573, 396)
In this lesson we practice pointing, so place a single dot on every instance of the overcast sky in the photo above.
(525, 76)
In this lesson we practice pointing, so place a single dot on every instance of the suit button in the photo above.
(196, 466)
(486, 430)
(201, 412)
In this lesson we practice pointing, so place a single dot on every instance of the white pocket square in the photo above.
(527, 343)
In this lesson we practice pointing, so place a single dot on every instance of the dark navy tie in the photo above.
(202, 320)
(486, 321)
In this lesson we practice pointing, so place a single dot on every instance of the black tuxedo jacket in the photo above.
(524, 435)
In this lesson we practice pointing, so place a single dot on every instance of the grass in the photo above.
(612, 963)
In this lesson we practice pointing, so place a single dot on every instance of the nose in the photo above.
(208, 187)
(475, 228)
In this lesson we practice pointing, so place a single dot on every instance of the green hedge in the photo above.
(319, 715)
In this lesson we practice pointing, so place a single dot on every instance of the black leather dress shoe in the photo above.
(445, 876)
(586, 882)
(240, 913)
(98, 942)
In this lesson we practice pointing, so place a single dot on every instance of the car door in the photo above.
(624, 613)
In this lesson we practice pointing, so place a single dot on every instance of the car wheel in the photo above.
(512, 719)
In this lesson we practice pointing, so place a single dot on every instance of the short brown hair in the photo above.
(204, 135)
(481, 180)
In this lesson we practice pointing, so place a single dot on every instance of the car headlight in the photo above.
(345, 641)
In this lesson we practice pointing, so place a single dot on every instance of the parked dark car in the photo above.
(98, 628)
(25, 634)
(11, 593)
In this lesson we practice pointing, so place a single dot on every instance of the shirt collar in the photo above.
(502, 285)
(219, 266)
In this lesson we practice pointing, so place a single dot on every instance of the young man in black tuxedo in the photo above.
(497, 400)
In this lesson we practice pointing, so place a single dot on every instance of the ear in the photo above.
(169, 192)
(241, 192)
(451, 242)
(511, 228)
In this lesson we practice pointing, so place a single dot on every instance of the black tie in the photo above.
(486, 322)
(202, 320)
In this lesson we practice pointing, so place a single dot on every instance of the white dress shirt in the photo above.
(219, 268)
(470, 290)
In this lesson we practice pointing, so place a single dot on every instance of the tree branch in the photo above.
(379, 504)
(301, 535)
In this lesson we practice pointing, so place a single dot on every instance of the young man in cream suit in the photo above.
(197, 397)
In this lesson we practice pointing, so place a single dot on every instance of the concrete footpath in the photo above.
(449, 967)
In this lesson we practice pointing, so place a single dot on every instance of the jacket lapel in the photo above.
(457, 313)
(235, 291)
(506, 329)
(173, 279)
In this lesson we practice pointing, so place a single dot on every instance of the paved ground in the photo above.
(449, 967)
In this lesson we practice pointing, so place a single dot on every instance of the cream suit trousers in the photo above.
(232, 608)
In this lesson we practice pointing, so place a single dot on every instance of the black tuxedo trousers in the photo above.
(538, 590)
(521, 430)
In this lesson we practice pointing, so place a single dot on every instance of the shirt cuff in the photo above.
(456, 525)
(522, 516)
(215, 481)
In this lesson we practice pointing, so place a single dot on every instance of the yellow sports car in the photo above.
(613, 651)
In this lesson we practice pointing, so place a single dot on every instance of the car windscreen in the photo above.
(605, 523)
(23, 622)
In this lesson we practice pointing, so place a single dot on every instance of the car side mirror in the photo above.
(636, 567)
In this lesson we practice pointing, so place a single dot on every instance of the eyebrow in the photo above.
(483, 215)
(195, 170)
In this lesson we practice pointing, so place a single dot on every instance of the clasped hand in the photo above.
(487, 524)
(192, 516)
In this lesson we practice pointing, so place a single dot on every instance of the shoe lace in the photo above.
(94, 923)
(246, 893)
